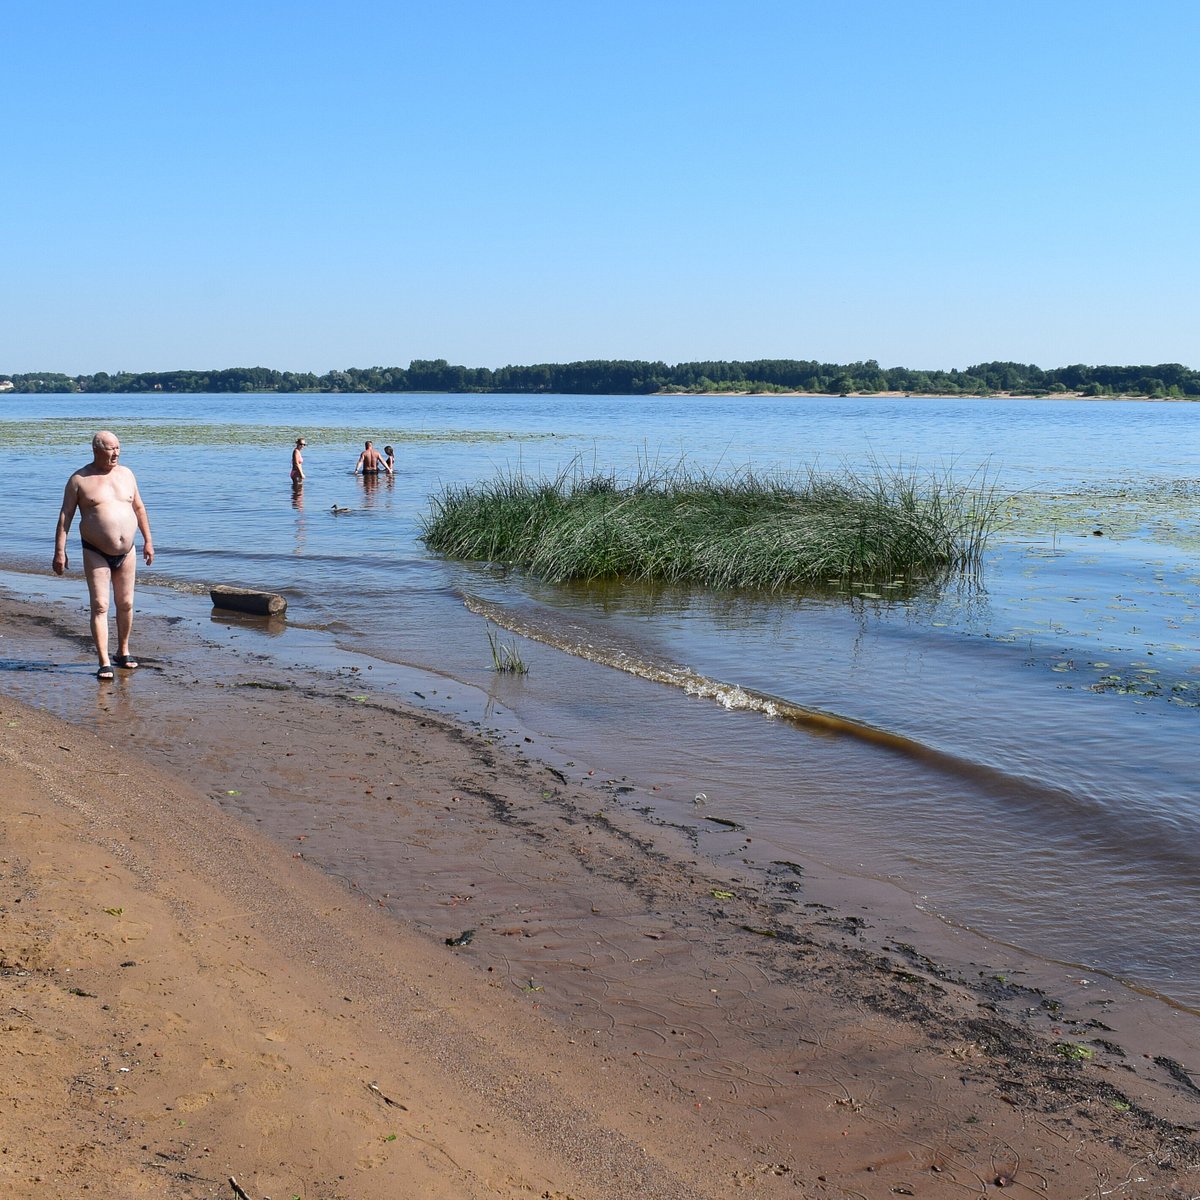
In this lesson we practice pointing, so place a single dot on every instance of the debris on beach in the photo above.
(375, 1088)
(247, 600)
(724, 821)
(1073, 1051)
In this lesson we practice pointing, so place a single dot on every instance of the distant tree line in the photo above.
(625, 378)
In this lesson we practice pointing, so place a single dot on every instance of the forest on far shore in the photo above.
(633, 378)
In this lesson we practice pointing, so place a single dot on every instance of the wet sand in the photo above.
(228, 890)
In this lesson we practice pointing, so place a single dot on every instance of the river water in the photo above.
(1015, 750)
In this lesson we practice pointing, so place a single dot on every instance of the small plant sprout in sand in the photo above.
(505, 655)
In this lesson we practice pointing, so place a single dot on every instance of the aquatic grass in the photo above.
(742, 530)
(506, 658)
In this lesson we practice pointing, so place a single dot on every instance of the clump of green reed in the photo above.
(744, 530)
(506, 658)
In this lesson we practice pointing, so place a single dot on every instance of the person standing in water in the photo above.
(390, 459)
(298, 462)
(371, 462)
(110, 513)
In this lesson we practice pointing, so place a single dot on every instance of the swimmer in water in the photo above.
(371, 462)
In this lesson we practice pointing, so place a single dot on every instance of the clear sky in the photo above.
(314, 185)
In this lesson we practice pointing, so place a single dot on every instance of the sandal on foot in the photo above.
(105, 671)
(126, 662)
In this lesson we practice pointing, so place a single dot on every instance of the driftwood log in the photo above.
(263, 604)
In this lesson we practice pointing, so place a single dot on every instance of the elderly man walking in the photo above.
(110, 513)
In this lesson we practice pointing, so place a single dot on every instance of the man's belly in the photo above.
(108, 528)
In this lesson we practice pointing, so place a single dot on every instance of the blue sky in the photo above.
(313, 186)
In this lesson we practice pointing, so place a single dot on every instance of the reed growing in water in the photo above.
(506, 658)
(742, 531)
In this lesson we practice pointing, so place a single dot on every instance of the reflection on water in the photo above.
(368, 481)
(272, 626)
(113, 700)
(301, 525)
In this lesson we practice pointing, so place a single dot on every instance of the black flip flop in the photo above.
(126, 662)
(105, 673)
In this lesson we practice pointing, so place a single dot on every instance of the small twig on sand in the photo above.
(237, 1189)
(1066, 1137)
(374, 1087)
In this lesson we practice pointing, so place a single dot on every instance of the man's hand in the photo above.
(60, 561)
(148, 552)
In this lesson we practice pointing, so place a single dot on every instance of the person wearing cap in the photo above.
(298, 461)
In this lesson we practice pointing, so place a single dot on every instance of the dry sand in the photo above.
(188, 998)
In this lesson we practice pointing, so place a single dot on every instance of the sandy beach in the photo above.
(274, 928)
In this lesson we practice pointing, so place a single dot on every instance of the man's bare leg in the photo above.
(123, 580)
(99, 577)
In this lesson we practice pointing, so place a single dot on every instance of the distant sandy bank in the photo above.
(941, 396)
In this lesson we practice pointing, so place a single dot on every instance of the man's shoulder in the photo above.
(90, 471)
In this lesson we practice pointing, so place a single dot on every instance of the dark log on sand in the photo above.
(263, 604)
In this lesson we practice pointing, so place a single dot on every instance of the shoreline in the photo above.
(225, 651)
(795, 1034)
(939, 396)
(785, 393)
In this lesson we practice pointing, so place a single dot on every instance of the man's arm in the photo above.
(139, 511)
(360, 461)
(65, 516)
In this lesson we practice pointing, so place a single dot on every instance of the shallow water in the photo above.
(1016, 750)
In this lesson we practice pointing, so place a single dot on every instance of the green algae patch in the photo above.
(55, 433)
(1162, 511)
